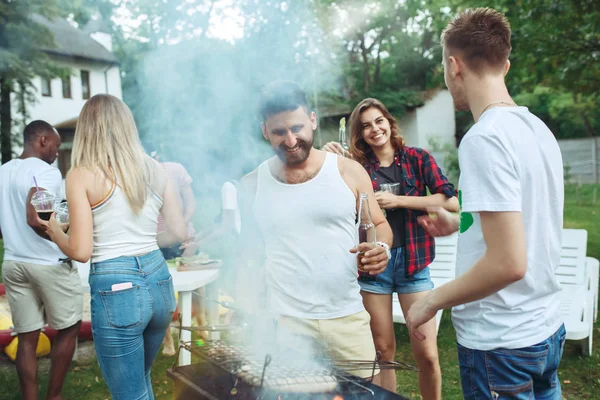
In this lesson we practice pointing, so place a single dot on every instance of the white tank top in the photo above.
(308, 229)
(118, 231)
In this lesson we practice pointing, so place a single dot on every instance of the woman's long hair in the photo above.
(358, 147)
(106, 140)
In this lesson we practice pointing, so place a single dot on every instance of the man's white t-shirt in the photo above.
(230, 202)
(21, 243)
(510, 161)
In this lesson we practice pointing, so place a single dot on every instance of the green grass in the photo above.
(580, 376)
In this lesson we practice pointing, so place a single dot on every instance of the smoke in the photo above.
(197, 101)
(198, 98)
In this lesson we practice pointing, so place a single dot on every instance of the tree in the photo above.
(21, 58)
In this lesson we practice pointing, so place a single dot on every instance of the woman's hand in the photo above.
(336, 148)
(386, 200)
(54, 228)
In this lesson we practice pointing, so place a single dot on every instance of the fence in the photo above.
(580, 157)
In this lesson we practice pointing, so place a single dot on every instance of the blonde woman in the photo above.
(115, 194)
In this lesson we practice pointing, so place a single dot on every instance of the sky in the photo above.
(226, 21)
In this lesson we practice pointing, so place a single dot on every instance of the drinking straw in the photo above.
(37, 189)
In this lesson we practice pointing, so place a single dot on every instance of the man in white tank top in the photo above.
(299, 208)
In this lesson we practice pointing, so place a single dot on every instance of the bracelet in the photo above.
(386, 247)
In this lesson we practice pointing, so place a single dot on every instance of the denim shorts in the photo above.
(526, 373)
(394, 278)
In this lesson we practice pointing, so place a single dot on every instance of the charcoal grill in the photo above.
(232, 372)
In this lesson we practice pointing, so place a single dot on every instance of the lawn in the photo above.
(580, 376)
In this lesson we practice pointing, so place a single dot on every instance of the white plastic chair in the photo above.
(577, 297)
(592, 266)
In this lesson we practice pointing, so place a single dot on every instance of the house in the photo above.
(94, 69)
(431, 122)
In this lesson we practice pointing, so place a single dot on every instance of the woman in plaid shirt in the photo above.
(377, 145)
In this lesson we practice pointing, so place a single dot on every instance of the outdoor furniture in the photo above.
(185, 283)
(577, 295)
(442, 270)
(593, 269)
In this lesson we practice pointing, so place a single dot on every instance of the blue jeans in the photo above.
(394, 279)
(129, 325)
(526, 373)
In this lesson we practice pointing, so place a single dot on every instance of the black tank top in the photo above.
(396, 217)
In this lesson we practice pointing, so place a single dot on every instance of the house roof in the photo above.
(72, 42)
(96, 25)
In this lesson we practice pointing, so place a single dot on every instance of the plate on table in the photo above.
(197, 263)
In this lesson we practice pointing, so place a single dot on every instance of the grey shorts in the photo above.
(40, 294)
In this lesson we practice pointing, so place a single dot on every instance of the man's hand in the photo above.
(336, 148)
(189, 247)
(439, 222)
(418, 314)
(374, 258)
(386, 200)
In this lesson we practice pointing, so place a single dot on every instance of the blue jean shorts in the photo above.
(518, 374)
(394, 278)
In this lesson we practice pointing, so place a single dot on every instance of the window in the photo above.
(46, 87)
(85, 84)
(66, 87)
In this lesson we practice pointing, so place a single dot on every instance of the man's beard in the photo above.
(294, 158)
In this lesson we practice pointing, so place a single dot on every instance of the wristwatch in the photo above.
(386, 247)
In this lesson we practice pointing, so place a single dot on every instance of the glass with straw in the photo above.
(43, 202)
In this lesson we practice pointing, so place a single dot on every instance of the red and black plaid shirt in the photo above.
(420, 172)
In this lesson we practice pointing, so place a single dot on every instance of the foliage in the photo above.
(568, 114)
(22, 59)
(340, 51)
(451, 166)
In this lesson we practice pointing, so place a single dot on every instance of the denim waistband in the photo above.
(142, 264)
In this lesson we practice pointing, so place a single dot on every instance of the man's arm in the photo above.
(176, 227)
(249, 278)
(189, 203)
(504, 262)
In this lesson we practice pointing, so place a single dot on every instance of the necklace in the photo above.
(495, 103)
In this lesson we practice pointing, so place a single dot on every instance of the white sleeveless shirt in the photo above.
(118, 231)
(308, 229)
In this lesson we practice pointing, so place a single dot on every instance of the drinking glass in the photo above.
(62, 213)
(393, 188)
(43, 202)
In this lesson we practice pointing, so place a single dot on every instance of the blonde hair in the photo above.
(106, 140)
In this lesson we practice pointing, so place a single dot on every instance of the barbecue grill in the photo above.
(233, 370)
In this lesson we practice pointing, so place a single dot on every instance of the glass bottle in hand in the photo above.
(366, 234)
